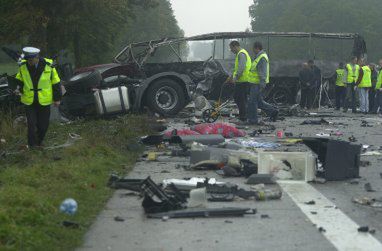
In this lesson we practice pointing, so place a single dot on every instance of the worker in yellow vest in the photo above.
(258, 78)
(378, 89)
(239, 78)
(350, 78)
(340, 86)
(39, 87)
(363, 85)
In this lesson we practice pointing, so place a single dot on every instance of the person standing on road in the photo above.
(340, 86)
(317, 78)
(378, 90)
(372, 90)
(240, 78)
(307, 88)
(39, 86)
(258, 78)
(363, 84)
(350, 78)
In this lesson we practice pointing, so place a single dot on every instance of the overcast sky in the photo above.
(197, 17)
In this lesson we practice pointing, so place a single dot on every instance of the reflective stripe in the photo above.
(245, 76)
(340, 76)
(254, 74)
(366, 79)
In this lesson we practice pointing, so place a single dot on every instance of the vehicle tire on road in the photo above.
(83, 83)
(166, 97)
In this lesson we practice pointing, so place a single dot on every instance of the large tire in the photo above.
(83, 83)
(166, 97)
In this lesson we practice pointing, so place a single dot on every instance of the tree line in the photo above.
(340, 16)
(91, 31)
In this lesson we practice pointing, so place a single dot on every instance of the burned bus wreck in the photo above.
(164, 75)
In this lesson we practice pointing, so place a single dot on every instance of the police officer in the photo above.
(240, 78)
(258, 78)
(350, 78)
(39, 85)
(363, 84)
(340, 86)
(378, 89)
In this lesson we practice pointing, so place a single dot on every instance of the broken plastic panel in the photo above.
(209, 212)
(288, 165)
(156, 200)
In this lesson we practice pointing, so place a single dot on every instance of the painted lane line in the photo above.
(341, 231)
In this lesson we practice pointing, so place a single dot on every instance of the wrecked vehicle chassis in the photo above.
(166, 86)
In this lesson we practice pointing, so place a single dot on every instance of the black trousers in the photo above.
(241, 99)
(372, 99)
(378, 102)
(38, 123)
(350, 98)
(340, 96)
(307, 97)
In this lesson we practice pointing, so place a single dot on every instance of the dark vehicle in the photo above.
(165, 74)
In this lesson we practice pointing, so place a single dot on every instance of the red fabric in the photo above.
(226, 130)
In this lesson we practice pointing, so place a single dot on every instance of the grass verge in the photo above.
(34, 183)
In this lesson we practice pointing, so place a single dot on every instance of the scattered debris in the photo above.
(365, 124)
(69, 206)
(261, 179)
(371, 153)
(321, 230)
(209, 212)
(364, 163)
(315, 122)
(366, 201)
(70, 224)
(312, 202)
(368, 188)
(119, 219)
(352, 139)
(363, 229)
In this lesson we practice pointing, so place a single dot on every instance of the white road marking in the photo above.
(341, 231)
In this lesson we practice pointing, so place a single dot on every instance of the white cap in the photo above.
(30, 52)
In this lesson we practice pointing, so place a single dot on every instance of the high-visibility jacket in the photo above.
(352, 75)
(379, 81)
(44, 90)
(254, 74)
(366, 78)
(244, 77)
(340, 76)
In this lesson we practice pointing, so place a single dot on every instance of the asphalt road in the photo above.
(291, 224)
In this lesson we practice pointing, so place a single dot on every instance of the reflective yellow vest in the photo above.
(48, 78)
(244, 77)
(379, 81)
(340, 76)
(254, 75)
(352, 76)
(366, 79)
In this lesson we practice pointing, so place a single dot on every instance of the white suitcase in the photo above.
(111, 101)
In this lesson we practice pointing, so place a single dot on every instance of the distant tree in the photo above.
(93, 30)
(344, 16)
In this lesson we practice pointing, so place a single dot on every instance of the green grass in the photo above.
(9, 68)
(33, 184)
